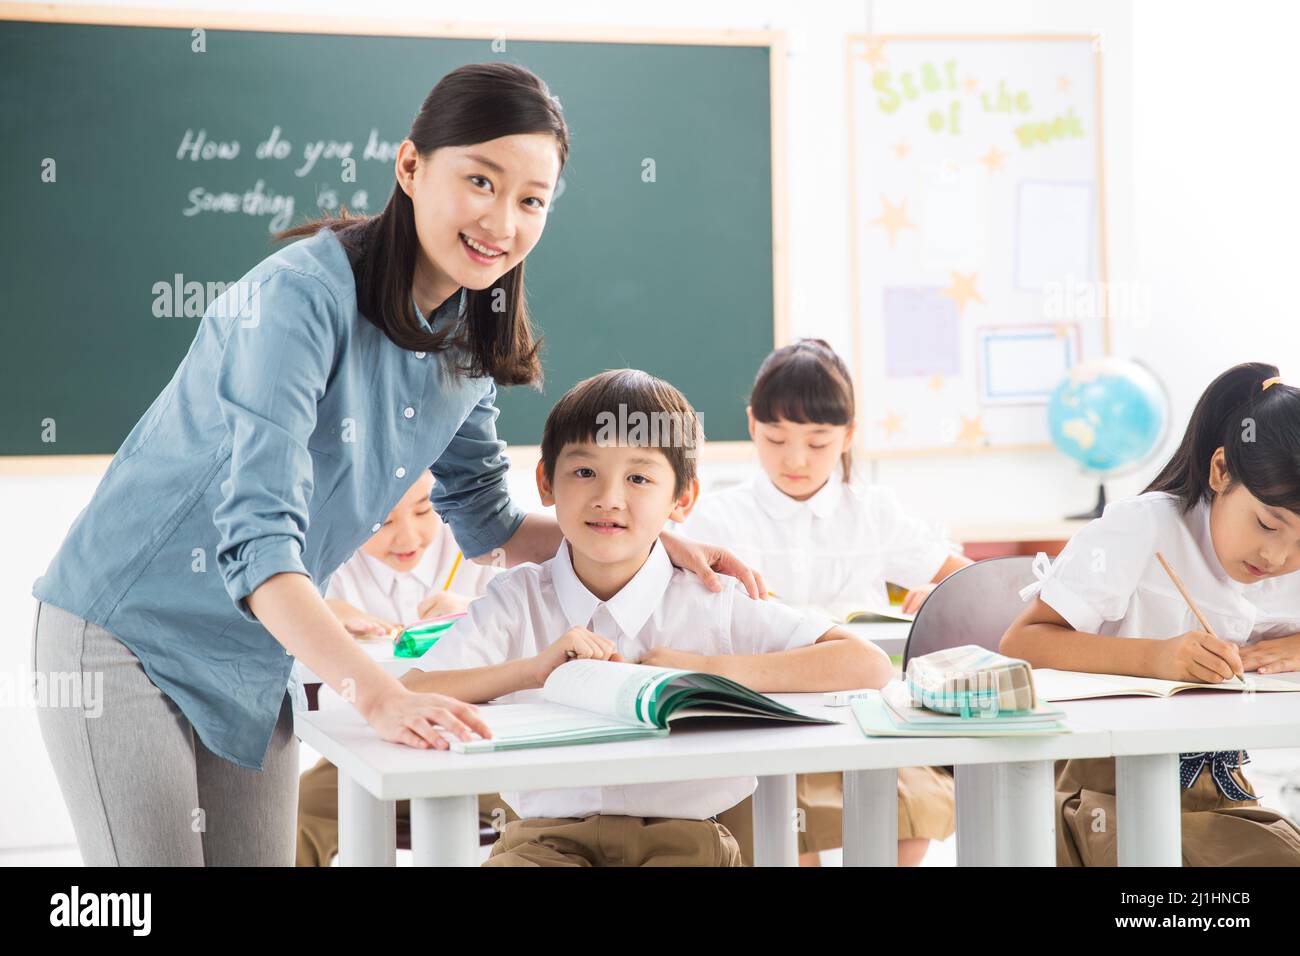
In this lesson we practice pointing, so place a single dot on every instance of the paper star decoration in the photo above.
(892, 424)
(1063, 83)
(893, 218)
(873, 52)
(936, 382)
(972, 431)
(971, 84)
(993, 159)
(963, 291)
(900, 150)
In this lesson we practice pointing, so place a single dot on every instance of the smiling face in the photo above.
(1252, 540)
(611, 502)
(799, 458)
(408, 530)
(479, 209)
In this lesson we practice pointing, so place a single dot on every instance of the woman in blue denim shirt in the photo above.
(313, 390)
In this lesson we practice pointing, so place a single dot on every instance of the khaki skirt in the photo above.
(1217, 831)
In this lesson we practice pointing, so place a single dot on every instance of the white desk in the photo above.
(1148, 734)
(1005, 807)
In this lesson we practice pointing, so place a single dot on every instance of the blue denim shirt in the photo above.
(289, 431)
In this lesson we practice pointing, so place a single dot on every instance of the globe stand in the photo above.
(1097, 509)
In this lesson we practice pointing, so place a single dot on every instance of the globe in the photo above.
(1108, 415)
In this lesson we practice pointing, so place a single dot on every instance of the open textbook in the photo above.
(1077, 685)
(594, 701)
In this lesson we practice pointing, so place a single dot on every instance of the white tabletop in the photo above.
(1194, 720)
(397, 772)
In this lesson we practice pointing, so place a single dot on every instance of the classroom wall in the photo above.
(1197, 189)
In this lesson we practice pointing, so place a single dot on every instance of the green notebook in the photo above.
(596, 701)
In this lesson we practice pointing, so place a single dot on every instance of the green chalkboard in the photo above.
(674, 275)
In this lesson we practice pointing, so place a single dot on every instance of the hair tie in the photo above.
(1270, 381)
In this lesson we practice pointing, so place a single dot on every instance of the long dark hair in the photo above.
(471, 104)
(1259, 431)
(806, 383)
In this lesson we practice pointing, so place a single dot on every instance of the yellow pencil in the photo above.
(455, 565)
(1205, 625)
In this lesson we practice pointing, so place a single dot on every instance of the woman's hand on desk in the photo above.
(577, 643)
(1196, 656)
(403, 717)
(1274, 656)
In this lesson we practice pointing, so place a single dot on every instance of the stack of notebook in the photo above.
(891, 713)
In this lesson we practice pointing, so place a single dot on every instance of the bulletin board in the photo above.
(979, 235)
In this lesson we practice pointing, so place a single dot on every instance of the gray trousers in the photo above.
(141, 788)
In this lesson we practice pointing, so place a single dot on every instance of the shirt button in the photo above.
(400, 473)
(419, 355)
(408, 412)
(375, 528)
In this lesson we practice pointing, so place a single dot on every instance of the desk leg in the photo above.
(871, 817)
(444, 831)
(775, 839)
(1149, 804)
(1006, 814)
(367, 826)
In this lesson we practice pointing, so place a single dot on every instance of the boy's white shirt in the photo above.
(529, 607)
(1108, 581)
(833, 551)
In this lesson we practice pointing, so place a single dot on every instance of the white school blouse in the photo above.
(1108, 581)
(833, 551)
(529, 607)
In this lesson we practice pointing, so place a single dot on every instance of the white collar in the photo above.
(780, 505)
(631, 607)
(386, 576)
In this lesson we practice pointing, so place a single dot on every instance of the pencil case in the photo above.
(971, 681)
(415, 639)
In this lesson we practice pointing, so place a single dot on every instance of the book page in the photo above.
(614, 688)
(1077, 685)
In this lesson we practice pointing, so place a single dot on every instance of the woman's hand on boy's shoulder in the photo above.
(707, 561)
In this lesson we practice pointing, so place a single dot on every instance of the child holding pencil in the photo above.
(1193, 580)
(409, 570)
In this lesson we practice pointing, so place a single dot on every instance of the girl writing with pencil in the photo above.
(1224, 516)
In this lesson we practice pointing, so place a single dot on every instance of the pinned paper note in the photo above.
(922, 334)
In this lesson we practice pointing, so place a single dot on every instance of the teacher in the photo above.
(314, 390)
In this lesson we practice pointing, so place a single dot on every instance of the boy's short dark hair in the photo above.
(626, 406)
